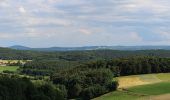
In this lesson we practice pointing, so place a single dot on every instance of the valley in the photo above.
(84, 50)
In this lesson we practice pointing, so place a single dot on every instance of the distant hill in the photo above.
(18, 47)
(88, 53)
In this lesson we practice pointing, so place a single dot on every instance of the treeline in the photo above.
(45, 63)
(13, 88)
(120, 66)
(47, 67)
(133, 65)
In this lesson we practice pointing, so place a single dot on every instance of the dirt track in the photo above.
(161, 97)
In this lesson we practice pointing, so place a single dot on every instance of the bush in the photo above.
(63, 90)
(113, 86)
(93, 91)
(8, 72)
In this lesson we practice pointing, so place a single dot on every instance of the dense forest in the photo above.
(14, 88)
(75, 74)
(6, 53)
(47, 67)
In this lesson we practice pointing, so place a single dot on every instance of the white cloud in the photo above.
(3, 35)
(96, 21)
(4, 4)
(22, 10)
(85, 31)
(135, 36)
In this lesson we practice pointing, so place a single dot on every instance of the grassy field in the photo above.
(152, 89)
(164, 77)
(8, 68)
(141, 87)
(118, 95)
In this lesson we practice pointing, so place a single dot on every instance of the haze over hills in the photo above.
(19, 47)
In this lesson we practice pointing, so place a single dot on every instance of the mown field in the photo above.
(141, 87)
(14, 61)
(8, 68)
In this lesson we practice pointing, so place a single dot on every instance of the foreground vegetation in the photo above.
(142, 92)
(13, 88)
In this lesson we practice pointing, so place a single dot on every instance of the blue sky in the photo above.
(46, 23)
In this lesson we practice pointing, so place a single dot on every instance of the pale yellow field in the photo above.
(161, 97)
(13, 61)
(130, 81)
(125, 82)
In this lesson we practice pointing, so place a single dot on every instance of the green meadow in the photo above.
(151, 89)
(147, 91)
(8, 68)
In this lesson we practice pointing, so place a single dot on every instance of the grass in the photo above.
(118, 95)
(8, 68)
(140, 87)
(152, 89)
(135, 80)
(164, 76)
(142, 92)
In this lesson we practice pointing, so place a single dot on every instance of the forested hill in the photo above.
(6, 53)
(132, 48)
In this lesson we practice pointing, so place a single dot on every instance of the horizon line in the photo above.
(85, 46)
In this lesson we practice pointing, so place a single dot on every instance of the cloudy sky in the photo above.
(46, 23)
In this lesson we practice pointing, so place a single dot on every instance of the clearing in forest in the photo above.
(8, 68)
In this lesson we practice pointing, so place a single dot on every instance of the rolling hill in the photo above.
(131, 48)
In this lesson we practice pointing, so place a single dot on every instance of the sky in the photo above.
(74, 23)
